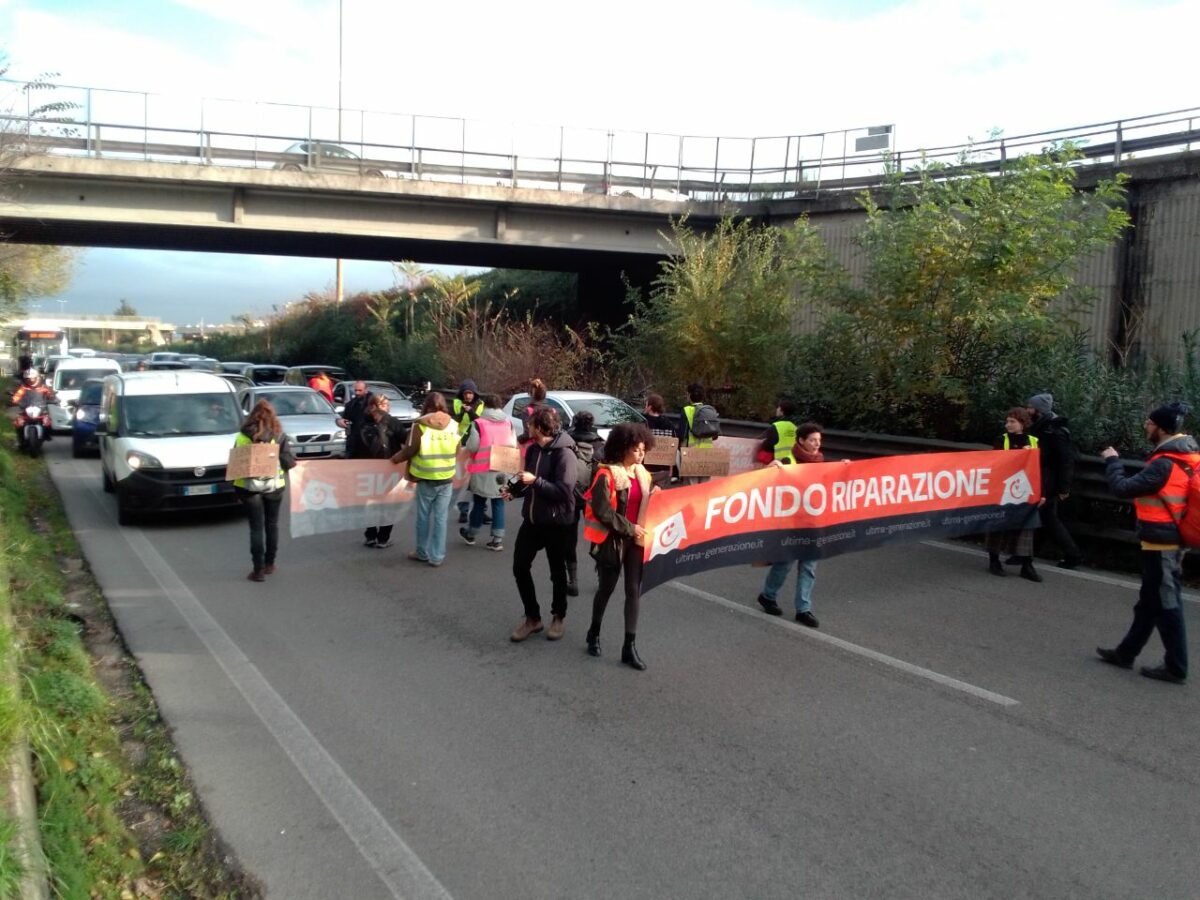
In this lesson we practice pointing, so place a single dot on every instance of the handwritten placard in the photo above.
(703, 462)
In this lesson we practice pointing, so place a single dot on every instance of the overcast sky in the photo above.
(940, 71)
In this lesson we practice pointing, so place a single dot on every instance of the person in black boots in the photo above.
(589, 449)
(1018, 543)
(612, 523)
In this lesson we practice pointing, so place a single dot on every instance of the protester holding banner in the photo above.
(490, 429)
(547, 519)
(660, 426)
(618, 499)
(382, 437)
(807, 449)
(262, 497)
(779, 438)
(1017, 543)
(589, 447)
(1160, 494)
(431, 454)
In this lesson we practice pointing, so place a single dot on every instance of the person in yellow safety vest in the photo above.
(466, 407)
(262, 497)
(779, 438)
(1017, 543)
(431, 454)
(695, 394)
(1160, 494)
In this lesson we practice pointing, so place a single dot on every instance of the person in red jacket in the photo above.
(322, 384)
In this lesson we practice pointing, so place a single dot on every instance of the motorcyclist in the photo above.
(32, 383)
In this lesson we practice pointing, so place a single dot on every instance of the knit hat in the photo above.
(1043, 403)
(1169, 416)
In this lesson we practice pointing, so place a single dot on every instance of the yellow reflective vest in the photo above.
(690, 440)
(785, 440)
(280, 477)
(435, 460)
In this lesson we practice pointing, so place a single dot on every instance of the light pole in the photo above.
(339, 288)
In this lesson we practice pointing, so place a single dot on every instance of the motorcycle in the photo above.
(33, 424)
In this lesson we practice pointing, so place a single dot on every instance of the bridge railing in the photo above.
(135, 125)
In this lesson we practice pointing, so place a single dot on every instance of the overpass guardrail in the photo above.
(646, 165)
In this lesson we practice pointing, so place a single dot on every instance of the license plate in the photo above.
(312, 451)
(195, 490)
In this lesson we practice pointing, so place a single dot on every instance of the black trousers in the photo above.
(631, 565)
(1160, 605)
(263, 511)
(1055, 528)
(531, 539)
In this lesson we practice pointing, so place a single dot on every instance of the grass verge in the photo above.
(118, 815)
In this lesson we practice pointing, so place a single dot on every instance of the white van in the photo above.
(165, 439)
(69, 376)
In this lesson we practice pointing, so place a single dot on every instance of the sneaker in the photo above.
(770, 607)
(525, 629)
(1029, 572)
(558, 625)
(269, 569)
(467, 536)
(382, 545)
(417, 557)
(808, 620)
(1160, 673)
(256, 575)
(371, 543)
(1113, 658)
(434, 564)
(495, 544)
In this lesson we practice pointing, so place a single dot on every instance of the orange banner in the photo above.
(822, 509)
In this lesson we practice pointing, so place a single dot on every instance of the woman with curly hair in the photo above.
(262, 497)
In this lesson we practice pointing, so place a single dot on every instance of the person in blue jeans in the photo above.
(431, 454)
(807, 450)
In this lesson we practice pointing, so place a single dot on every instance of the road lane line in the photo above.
(927, 674)
(1086, 575)
(400, 869)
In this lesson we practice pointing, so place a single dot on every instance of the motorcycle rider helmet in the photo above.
(32, 377)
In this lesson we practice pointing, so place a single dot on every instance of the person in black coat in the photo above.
(1058, 470)
(354, 417)
(547, 518)
(381, 437)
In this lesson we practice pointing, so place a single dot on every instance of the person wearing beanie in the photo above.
(1057, 457)
(1159, 492)
(465, 408)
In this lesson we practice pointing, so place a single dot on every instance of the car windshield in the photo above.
(267, 375)
(73, 379)
(387, 391)
(178, 414)
(607, 411)
(296, 403)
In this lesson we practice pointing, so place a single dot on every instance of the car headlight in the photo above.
(339, 435)
(80, 415)
(138, 460)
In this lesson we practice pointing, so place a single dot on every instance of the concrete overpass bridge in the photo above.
(157, 332)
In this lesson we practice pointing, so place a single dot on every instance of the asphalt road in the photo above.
(360, 725)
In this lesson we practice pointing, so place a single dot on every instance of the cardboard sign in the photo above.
(663, 453)
(505, 459)
(703, 461)
(253, 461)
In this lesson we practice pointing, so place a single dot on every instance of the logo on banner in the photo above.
(1017, 489)
(318, 495)
(668, 535)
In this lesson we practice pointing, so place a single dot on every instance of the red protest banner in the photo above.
(823, 509)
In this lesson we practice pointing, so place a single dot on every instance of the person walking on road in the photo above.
(465, 408)
(262, 497)
(491, 429)
(547, 519)
(613, 519)
(589, 449)
(431, 454)
(807, 449)
(1058, 469)
(382, 437)
(1018, 543)
(1160, 501)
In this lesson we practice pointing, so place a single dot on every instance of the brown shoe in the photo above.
(525, 629)
(269, 569)
(256, 575)
(557, 626)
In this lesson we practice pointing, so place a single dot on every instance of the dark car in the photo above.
(264, 373)
(84, 417)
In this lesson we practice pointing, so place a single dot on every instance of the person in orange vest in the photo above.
(322, 384)
(612, 523)
(491, 428)
(1160, 500)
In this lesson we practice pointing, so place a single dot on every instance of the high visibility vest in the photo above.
(593, 529)
(785, 440)
(1033, 442)
(463, 414)
(435, 460)
(280, 478)
(691, 440)
(490, 434)
(1169, 504)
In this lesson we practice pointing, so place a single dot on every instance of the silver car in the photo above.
(322, 156)
(308, 418)
(605, 409)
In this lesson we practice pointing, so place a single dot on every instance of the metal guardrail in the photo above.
(127, 124)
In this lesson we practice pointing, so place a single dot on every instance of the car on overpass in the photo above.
(322, 156)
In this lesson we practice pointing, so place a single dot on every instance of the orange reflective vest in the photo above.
(490, 434)
(1169, 504)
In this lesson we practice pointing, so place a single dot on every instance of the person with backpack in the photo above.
(491, 428)
(616, 507)
(1016, 542)
(589, 450)
(1163, 493)
(1058, 469)
(777, 441)
(699, 425)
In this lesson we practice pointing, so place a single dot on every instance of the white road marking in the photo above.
(927, 674)
(400, 869)
(1084, 574)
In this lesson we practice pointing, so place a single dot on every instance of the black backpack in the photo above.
(705, 423)
(585, 469)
